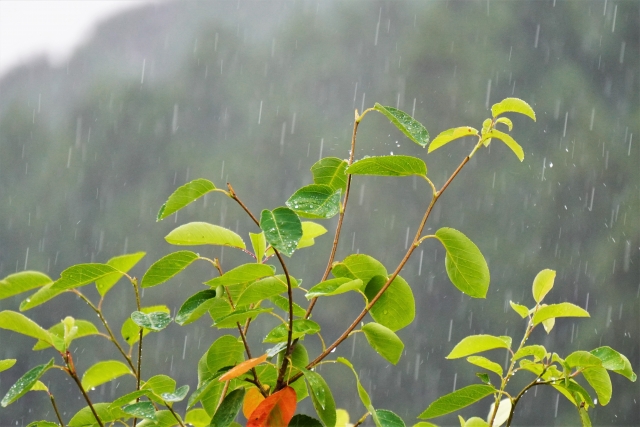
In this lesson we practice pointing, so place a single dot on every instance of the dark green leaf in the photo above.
(184, 195)
(141, 410)
(301, 327)
(384, 341)
(194, 307)
(315, 201)
(389, 166)
(22, 281)
(154, 321)
(457, 400)
(396, 307)
(330, 171)
(466, 267)
(228, 409)
(131, 332)
(301, 420)
(389, 419)
(282, 229)
(449, 135)
(413, 129)
(43, 424)
(178, 395)
(203, 233)
(167, 267)
(321, 398)
(239, 316)
(24, 383)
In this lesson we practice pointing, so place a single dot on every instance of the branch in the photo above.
(55, 408)
(71, 370)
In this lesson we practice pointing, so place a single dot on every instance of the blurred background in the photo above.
(254, 92)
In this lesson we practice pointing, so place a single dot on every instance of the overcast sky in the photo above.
(30, 28)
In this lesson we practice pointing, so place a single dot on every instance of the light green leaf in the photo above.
(478, 343)
(310, 230)
(264, 288)
(228, 409)
(508, 140)
(197, 417)
(178, 395)
(163, 419)
(476, 422)
(485, 363)
(466, 267)
(389, 166)
(195, 306)
(244, 273)
(282, 229)
(6, 364)
(25, 383)
(103, 372)
(84, 417)
(154, 321)
(21, 324)
(330, 171)
(564, 309)
(542, 284)
(122, 263)
(167, 267)
(585, 421)
(537, 351)
(396, 307)
(359, 266)
(283, 304)
(43, 424)
(582, 359)
(226, 351)
(413, 129)
(384, 341)
(614, 361)
(321, 398)
(301, 327)
(505, 121)
(129, 398)
(259, 244)
(240, 315)
(388, 419)
(513, 105)
(335, 286)
(22, 281)
(315, 201)
(131, 332)
(362, 393)
(520, 309)
(84, 328)
(157, 385)
(141, 410)
(598, 378)
(548, 324)
(184, 195)
(424, 424)
(203, 233)
(457, 400)
(449, 135)
(502, 415)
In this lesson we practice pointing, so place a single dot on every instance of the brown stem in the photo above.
(233, 195)
(55, 408)
(71, 370)
(175, 415)
(361, 420)
(138, 371)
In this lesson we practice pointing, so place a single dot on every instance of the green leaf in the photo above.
(321, 398)
(129, 398)
(537, 351)
(424, 424)
(520, 309)
(362, 393)
(43, 424)
(582, 359)
(25, 383)
(259, 244)
(389, 419)
(244, 273)
(197, 417)
(331, 287)
(131, 332)
(585, 421)
(283, 304)
(485, 363)
(154, 321)
(505, 121)
(84, 417)
(564, 309)
(163, 419)
(225, 351)
(23, 281)
(330, 171)
(413, 129)
(311, 230)
(263, 289)
(203, 233)
(301, 327)
(302, 420)
(542, 284)
(449, 135)
(466, 267)
(167, 267)
(384, 341)
(359, 266)
(6, 364)
(195, 306)
(184, 195)
(389, 166)
(177, 396)
(141, 410)
(598, 378)
(282, 229)
(513, 105)
(123, 264)
(396, 307)
(228, 409)
(508, 140)
(315, 201)
(478, 343)
(475, 422)
(484, 377)
(457, 400)
(614, 361)
(240, 315)
(103, 372)
(159, 384)
(21, 324)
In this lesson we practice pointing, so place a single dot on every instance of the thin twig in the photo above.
(71, 370)
(361, 420)
(175, 415)
(138, 371)
(55, 408)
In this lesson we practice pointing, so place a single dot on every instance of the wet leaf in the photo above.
(413, 129)
(301, 327)
(131, 332)
(537, 351)
(598, 378)
(203, 233)
(21, 324)
(225, 351)
(195, 306)
(25, 383)
(513, 105)
(478, 343)
(331, 287)
(582, 359)
(282, 229)
(259, 245)
(275, 411)
(243, 367)
(508, 140)
(449, 135)
(564, 309)
(244, 273)
(302, 420)
(485, 363)
(389, 166)
(457, 400)
(321, 398)
(520, 309)
(310, 230)
(43, 424)
(359, 266)
(177, 396)
(122, 263)
(362, 393)
(330, 171)
(102, 372)
(542, 284)
(396, 307)
(384, 341)
(315, 201)
(197, 417)
(184, 195)
(167, 267)
(84, 417)
(154, 321)
(22, 281)
(228, 409)
(466, 267)
(389, 419)
(141, 410)
(283, 304)
(264, 289)
(239, 316)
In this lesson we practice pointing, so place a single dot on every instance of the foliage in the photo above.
(269, 386)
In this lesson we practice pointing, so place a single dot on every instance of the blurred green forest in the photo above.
(253, 93)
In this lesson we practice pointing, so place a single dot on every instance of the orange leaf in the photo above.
(242, 368)
(252, 399)
(276, 410)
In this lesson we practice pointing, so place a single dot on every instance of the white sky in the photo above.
(30, 28)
